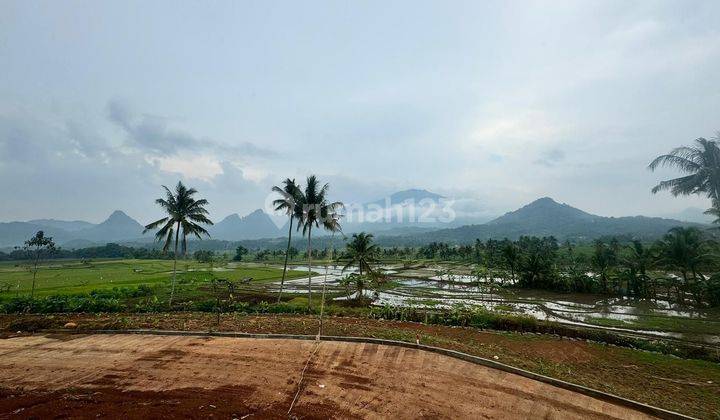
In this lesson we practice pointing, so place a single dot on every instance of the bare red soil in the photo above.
(134, 376)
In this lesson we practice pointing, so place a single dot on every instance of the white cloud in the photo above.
(516, 133)
(190, 167)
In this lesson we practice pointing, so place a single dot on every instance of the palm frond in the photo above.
(154, 224)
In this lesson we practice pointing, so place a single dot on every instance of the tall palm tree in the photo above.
(362, 252)
(315, 211)
(287, 203)
(184, 213)
(701, 163)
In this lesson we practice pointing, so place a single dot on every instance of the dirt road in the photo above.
(90, 376)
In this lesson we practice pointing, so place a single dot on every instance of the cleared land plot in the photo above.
(160, 376)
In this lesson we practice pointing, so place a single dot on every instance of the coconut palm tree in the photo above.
(184, 213)
(315, 211)
(511, 256)
(685, 249)
(362, 252)
(287, 203)
(715, 212)
(701, 163)
(602, 261)
(638, 262)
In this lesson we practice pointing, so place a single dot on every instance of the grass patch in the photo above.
(657, 323)
(74, 277)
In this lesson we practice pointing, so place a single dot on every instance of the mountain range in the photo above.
(542, 217)
(73, 234)
(255, 225)
(546, 217)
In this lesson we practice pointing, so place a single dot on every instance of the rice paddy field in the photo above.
(69, 277)
(446, 286)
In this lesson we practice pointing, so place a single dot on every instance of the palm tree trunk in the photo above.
(309, 248)
(287, 253)
(172, 288)
(322, 299)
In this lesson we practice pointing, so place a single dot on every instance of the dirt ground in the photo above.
(90, 376)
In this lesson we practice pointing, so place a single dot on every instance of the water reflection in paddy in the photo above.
(450, 290)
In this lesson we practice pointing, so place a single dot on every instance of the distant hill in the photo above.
(16, 233)
(255, 225)
(80, 244)
(400, 197)
(119, 226)
(545, 217)
(69, 226)
(403, 209)
(691, 214)
(544, 212)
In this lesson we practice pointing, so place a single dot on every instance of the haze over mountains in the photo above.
(407, 217)
(546, 217)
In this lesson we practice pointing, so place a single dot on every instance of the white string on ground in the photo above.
(302, 376)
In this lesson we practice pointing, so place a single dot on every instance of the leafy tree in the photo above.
(362, 252)
(239, 252)
(204, 256)
(39, 247)
(184, 213)
(537, 264)
(293, 252)
(315, 211)
(287, 203)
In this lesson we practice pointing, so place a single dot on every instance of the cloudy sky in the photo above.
(497, 103)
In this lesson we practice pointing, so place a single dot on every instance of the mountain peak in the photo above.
(544, 211)
(544, 200)
(120, 218)
(231, 218)
(255, 225)
(414, 194)
(257, 212)
(118, 215)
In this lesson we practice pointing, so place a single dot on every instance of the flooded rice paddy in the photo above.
(437, 288)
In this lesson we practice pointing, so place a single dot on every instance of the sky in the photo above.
(493, 103)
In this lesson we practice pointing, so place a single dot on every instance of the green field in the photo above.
(70, 277)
